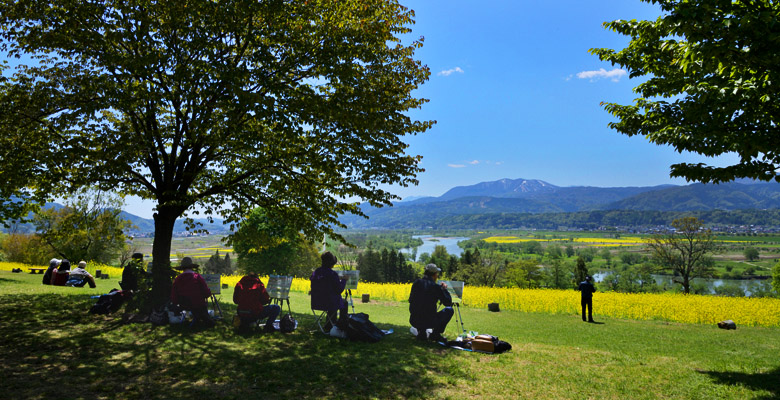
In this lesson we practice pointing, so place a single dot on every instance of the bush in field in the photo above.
(630, 258)
(587, 253)
(730, 290)
(525, 274)
(751, 253)
(27, 249)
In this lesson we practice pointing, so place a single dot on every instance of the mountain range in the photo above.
(532, 196)
(485, 200)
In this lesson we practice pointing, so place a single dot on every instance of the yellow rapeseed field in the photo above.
(645, 306)
(113, 272)
(626, 241)
(664, 306)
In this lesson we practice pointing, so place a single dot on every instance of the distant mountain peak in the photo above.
(501, 188)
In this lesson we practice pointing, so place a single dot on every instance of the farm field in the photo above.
(200, 247)
(554, 356)
(728, 257)
(640, 306)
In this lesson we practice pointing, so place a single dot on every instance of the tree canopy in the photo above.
(210, 106)
(267, 245)
(711, 84)
(88, 228)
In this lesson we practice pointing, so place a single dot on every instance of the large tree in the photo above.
(684, 251)
(210, 106)
(711, 84)
(89, 227)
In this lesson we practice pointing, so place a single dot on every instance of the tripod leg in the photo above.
(350, 302)
(463, 328)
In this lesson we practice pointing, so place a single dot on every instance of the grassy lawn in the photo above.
(52, 348)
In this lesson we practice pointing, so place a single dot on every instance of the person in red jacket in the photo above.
(254, 303)
(190, 292)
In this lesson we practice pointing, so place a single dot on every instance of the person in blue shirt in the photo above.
(423, 302)
(586, 289)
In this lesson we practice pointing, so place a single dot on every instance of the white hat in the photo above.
(432, 268)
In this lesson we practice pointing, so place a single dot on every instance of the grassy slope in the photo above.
(53, 349)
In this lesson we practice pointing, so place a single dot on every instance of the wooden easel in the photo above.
(215, 306)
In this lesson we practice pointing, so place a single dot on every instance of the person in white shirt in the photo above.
(81, 273)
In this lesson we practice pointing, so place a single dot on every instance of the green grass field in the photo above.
(52, 348)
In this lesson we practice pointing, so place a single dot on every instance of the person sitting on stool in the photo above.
(190, 292)
(251, 296)
(326, 289)
(423, 299)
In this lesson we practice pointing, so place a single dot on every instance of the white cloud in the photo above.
(475, 162)
(448, 72)
(613, 75)
(456, 165)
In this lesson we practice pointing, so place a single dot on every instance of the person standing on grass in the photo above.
(586, 289)
(423, 301)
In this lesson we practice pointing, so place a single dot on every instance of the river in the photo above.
(711, 283)
(430, 242)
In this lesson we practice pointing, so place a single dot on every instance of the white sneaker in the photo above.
(336, 332)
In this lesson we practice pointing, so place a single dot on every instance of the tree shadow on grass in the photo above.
(68, 353)
(766, 381)
(6, 281)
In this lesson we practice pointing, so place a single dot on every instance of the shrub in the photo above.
(27, 249)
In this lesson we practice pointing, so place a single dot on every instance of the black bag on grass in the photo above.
(108, 303)
(361, 329)
(287, 324)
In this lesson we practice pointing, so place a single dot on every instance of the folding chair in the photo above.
(321, 320)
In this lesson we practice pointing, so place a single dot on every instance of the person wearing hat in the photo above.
(80, 276)
(423, 301)
(53, 264)
(190, 292)
(586, 289)
(326, 289)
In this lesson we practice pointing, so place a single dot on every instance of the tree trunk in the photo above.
(686, 285)
(162, 274)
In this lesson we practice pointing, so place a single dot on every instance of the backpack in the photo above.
(359, 328)
(489, 344)
(108, 303)
(159, 316)
(287, 324)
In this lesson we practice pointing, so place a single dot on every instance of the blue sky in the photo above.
(516, 95)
